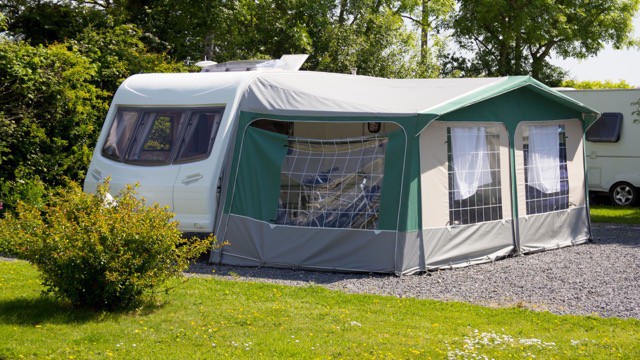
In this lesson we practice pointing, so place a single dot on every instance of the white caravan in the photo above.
(612, 146)
(168, 127)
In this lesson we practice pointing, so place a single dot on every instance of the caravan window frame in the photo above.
(146, 145)
(117, 149)
(606, 129)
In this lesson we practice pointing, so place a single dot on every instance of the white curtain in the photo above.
(470, 160)
(543, 169)
(120, 132)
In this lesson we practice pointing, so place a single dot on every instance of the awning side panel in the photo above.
(466, 245)
(259, 243)
(554, 230)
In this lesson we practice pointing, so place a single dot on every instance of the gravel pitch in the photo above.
(598, 278)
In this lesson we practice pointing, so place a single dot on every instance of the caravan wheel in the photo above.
(624, 194)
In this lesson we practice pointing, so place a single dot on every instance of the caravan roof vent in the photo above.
(205, 63)
(286, 62)
(244, 65)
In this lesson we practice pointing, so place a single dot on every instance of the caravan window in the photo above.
(606, 128)
(545, 163)
(199, 136)
(162, 136)
(475, 193)
(120, 133)
(155, 137)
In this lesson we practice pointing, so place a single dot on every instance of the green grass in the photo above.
(210, 318)
(615, 214)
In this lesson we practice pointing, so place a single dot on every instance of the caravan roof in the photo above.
(294, 92)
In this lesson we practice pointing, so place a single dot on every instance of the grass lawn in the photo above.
(209, 318)
(615, 214)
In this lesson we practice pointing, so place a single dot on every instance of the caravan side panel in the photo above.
(610, 163)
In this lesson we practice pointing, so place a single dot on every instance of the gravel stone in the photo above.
(600, 278)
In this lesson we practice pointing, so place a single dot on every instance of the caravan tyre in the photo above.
(623, 194)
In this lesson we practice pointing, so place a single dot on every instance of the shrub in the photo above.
(50, 112)
(30, 191)
(98, 254)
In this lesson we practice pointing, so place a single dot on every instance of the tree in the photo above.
(369, 35)
(53, 100)
(119, 52)
(49, 112)
(518, 36)
(46, 22)
(338, 34)
(3, 23)
(429, 18)
(607, 84)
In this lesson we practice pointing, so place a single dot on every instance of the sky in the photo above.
(609, 64)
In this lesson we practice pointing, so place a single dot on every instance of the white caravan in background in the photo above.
(613, 144)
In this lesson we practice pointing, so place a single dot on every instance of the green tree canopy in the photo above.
(49, 112)
(3, 22)
(119, 52)
(338, 34)
(518, 37)
(53, 99)
(46, 22)
(606, 84)
(430, 19)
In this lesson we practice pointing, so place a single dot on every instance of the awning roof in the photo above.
(309, 93)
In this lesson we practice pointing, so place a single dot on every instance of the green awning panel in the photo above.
(516, 98)
(392, 184)
(257, 184)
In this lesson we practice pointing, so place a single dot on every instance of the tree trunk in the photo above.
(208, 47)
(343, 6)
(424, 33)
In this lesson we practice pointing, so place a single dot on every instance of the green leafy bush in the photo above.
(54, 98)
(31, 191)
(96, 253)
(50, 113)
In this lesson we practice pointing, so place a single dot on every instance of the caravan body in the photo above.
(353, 173)
(612, 146)
(169, 133)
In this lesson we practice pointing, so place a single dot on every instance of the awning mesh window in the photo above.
(474, 174)
(545, 162)
(332, 183)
